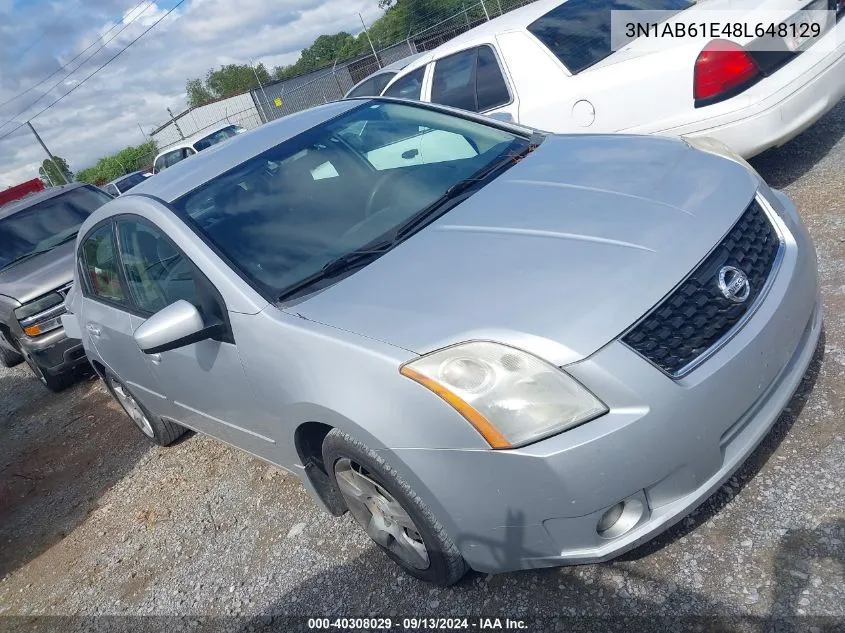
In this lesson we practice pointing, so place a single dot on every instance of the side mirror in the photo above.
(175, 326)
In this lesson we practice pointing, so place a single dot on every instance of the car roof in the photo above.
(516, 20)
(187, 175)
(189, 142)
(131, 173)
(23, 203)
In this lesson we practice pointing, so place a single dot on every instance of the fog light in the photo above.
(609, 518)
(620, 519)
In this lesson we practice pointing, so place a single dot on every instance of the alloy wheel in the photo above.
(132, 408)
(380, 514)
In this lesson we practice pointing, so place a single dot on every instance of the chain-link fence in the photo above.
(238, 110)
(279, 98)
(284, 97)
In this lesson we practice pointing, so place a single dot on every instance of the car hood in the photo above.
(37, 276)
(559, 255)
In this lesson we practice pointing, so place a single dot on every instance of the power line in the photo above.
(44, 33)
(106, 63)
(66, 64)
(86, 60)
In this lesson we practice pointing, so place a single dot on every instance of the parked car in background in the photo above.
(182, 150)
(121, 185)
(550, 65)
(37, 237)
(372, 85)
(497, 349)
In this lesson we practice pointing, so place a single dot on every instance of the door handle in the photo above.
(155, 358)
(93, 329)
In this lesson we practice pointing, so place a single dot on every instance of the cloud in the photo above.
(103, 115)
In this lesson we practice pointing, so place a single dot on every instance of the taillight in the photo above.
(722, 70)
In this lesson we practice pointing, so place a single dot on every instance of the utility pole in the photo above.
(367, 33)
(52, 158)
(172, 118)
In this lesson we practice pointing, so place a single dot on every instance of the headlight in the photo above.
(718, 148)
(511, 397)
(41, 315)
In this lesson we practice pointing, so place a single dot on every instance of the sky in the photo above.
(37, 37)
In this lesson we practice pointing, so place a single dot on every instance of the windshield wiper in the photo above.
(345, 263)
(442, 204)
(18, 260)
(369, 252)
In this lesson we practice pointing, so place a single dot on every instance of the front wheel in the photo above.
(390, 512)
(157, 430)
(53, 382)
(9, 358)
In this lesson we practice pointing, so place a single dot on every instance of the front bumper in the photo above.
(665, 444)
(54, 352)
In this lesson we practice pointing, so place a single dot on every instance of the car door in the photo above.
(204, 382)
(105, 318)
(474, 80)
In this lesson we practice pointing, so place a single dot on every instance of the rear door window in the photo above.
(471, 80)
(491, 89)
(454, 81)
(577, 32)
(408, 87)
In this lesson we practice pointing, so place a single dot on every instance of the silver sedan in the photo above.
(496, 349)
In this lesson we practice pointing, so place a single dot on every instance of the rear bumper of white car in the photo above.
(782, 115)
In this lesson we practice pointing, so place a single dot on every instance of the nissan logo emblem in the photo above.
(733, 284)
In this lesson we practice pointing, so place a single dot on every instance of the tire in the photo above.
(158, 431)
(446, 566)
(53, 382)
(10, 358)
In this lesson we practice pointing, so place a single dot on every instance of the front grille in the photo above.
(697, 313)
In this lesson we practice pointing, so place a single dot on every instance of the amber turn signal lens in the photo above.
(32, 330)
(481, 424)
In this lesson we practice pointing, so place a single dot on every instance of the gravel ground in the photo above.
(95, 521)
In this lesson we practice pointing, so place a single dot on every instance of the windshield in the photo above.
(216, 137)
(578, 31)
(130, 181)
(44, 225)
(285, 214)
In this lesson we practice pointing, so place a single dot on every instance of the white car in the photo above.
(189, 147)
(373, 84)
(550, 65)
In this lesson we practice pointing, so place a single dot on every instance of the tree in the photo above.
(50, 173)
(198, 94)
(127, 160)
(226, 81)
